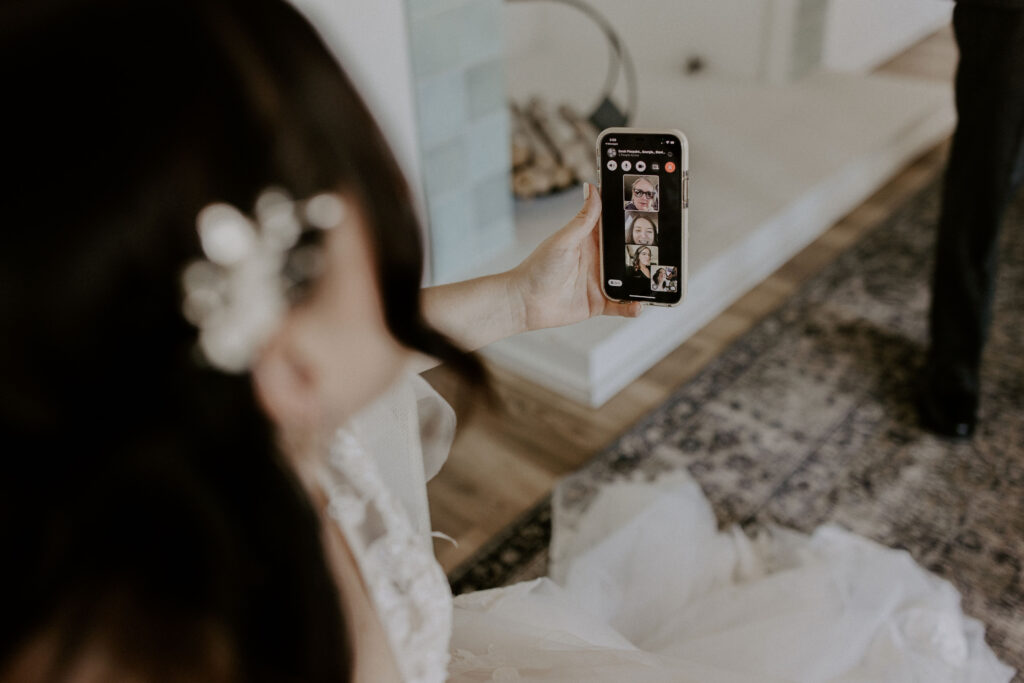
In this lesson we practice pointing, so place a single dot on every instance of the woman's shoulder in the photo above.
(408, 431)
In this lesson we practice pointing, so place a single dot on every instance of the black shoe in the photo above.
(949, 413)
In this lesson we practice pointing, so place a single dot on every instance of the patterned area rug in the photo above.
(808, 418)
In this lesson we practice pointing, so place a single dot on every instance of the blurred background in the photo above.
(785, 382)
(790, 126)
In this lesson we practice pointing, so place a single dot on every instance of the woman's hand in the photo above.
(560, 282)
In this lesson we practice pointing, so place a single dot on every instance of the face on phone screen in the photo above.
(642, 223)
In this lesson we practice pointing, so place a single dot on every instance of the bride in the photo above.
(212, 263)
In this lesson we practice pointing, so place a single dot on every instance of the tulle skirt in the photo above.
(643, 587)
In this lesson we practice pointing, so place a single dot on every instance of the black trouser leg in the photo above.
(985, 164)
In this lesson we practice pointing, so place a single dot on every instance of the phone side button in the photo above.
(615, 283)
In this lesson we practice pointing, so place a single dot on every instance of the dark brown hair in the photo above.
(144, 504)
(636, 257)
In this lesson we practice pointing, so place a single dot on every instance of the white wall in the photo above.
(861, 34)
(370, 39)
(557, 51)
(661, 34)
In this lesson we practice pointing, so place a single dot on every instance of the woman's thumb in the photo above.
(590, 213)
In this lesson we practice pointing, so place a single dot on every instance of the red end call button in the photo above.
(670, 166)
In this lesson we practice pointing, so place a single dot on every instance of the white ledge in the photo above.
(772, 168)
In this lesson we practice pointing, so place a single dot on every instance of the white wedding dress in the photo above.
(643, 586)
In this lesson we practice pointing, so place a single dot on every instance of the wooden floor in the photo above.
(506, 459)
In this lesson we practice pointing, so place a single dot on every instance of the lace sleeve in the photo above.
(409, 431)
(406, 584)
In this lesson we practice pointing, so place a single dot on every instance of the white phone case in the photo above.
(684, 168)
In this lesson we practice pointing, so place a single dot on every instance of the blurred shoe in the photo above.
(947, 411)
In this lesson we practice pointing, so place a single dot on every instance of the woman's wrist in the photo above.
(474, 313)
(520, 300)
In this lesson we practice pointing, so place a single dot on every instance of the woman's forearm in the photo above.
(474, 313)
(557, 284)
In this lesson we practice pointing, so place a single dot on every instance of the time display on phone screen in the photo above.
(642, 192)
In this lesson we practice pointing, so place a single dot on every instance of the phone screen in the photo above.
(643, 227)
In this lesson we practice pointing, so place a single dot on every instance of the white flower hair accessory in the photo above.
(238, 294)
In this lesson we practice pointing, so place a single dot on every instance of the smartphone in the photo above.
(645, 194)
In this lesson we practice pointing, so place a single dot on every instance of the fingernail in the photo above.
(586, 191)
